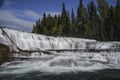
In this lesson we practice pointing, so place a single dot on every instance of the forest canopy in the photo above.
(101, 22)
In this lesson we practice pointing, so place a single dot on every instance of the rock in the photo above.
(4, 53)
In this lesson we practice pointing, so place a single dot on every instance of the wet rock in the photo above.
(4, 53)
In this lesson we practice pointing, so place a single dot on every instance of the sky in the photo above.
(22, 14)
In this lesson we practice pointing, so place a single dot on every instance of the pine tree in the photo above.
(60, 27)
(73, 17)
(50, 24)
(37, 27)
(102, 8)
(44, 24)
(92, 15)
(34, 29)
(103, 11)
(79, 11)
(108, 24)
(73, 22)
(117, 21)
(80, 20)
(92, 11)
(101, 25)
(65, 20)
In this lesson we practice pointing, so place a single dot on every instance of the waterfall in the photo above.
(29, 41)
(61, 61)
(65, 62)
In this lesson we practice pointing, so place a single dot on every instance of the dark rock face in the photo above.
(4, 53)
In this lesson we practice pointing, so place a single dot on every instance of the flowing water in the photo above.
(63, 65)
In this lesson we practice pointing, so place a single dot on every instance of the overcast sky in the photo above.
(22, 14)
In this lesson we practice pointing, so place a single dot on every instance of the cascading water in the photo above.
(63, 61)
(29, 41)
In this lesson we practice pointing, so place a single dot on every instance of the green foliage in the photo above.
(101, 22)
(117, 21)
(81, 19)
(65, 21)
(110, 19)
(102, 8)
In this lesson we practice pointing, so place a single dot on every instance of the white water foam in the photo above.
(57, 62)
(64, 62)
(29, 41)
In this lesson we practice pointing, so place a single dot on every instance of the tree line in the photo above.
(101, 22)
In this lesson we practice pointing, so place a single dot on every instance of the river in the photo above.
(63, 66)
(108, 74)
(73, 63)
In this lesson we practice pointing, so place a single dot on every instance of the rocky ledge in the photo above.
(4, 53)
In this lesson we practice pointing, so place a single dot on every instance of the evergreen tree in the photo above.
(57, 28)
(60, 27)
(117, 21)
(73, 22)
(92, 14)
(102, 25)
(50, 24)
(79, 11)
(102, 8)
(44, 24)
(108, 24)
(37, 27)
(63, 15)
(80, 21)
(92, 11)
(73, 17)
(65, 20)
(54, 27)
(103, 11)
(34, 29)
